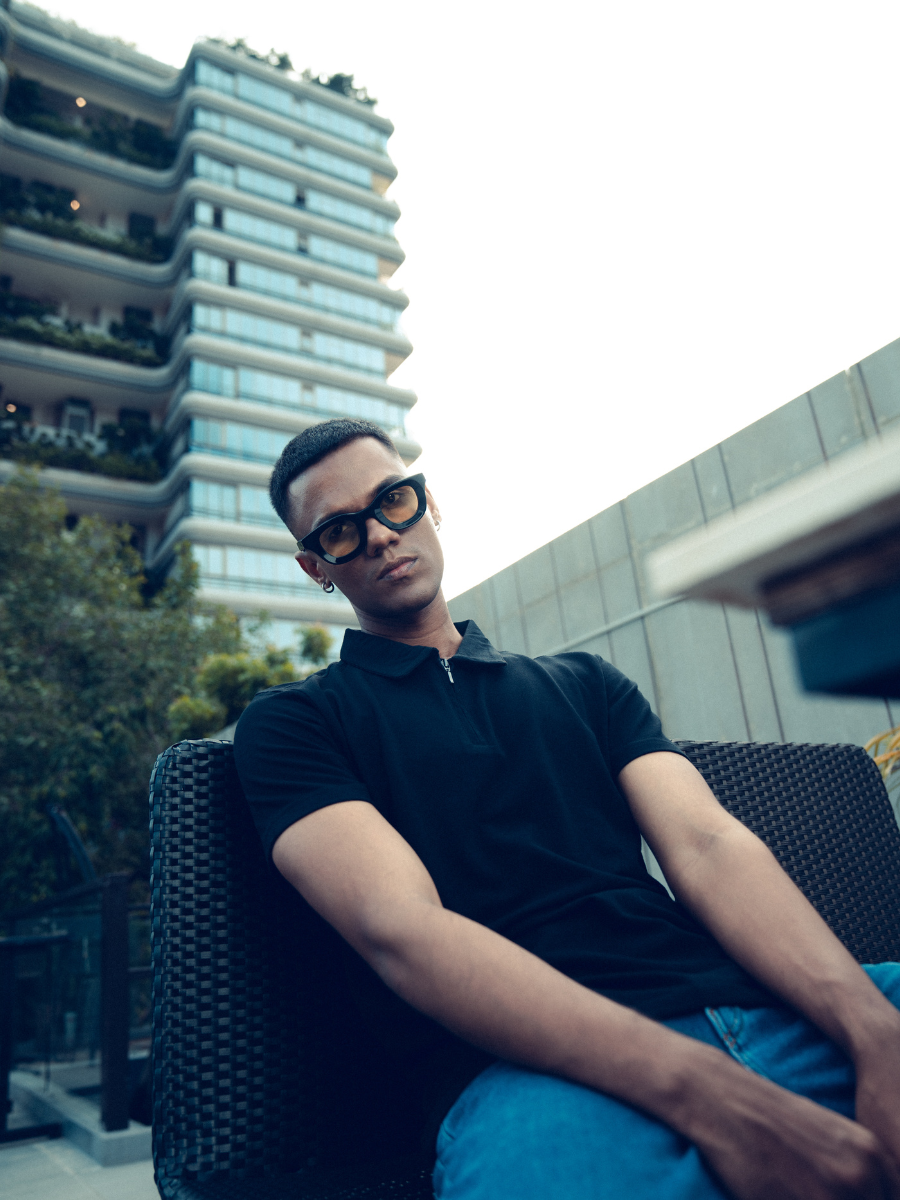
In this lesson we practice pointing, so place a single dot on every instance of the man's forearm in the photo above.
(741, 894)
(764, 1142)
(733, 884)
(509, 1002)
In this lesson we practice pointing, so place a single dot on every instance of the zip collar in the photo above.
(393, 660)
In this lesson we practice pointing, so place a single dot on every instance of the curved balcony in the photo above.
(142, 282)
(76, 165)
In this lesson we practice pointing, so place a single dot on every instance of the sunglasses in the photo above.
(341, 538)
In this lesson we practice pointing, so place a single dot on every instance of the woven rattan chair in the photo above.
(264, 1085)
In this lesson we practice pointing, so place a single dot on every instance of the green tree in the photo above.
(315, 644)
(89, 665)
(224, 686)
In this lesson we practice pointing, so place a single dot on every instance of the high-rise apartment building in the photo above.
(194, 268)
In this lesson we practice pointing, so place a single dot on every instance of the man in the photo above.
(470, 822)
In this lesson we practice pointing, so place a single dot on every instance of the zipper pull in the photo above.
(445, 663)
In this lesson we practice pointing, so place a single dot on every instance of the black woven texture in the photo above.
(263, 1083)
(824, 813)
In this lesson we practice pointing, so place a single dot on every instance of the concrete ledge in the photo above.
(80, 1121)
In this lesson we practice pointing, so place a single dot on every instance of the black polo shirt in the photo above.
(501, 774)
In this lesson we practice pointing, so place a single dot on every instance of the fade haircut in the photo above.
(308, 447)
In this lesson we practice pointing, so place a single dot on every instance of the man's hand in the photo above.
(878, 1091)
(765, 1143)
(721, 872)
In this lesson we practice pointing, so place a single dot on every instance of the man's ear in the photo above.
(433, 509)
(311, 565)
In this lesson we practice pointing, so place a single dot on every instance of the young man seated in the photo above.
(470, 821)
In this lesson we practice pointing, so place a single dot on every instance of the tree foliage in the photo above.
(226, 683)
(89, 666)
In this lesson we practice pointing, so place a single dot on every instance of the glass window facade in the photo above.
(237, 130)
(266, 95)
(347, 213)
(285, 237)
(341, 125)
(350, 304)
(265, 331)
(332, 164)
(260, 183)
(255, 278)
(226, 502)
(236, 568)
(362, 262)
(283, 146)
(247, 327)
(209, 266)
(234, 440)
(258, 229)
(280, 100)
(213, 170)
(246, 383)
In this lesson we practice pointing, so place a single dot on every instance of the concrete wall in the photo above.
(711, 672)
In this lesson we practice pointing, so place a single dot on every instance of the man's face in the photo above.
(399, 571)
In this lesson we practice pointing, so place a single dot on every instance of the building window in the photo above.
(258, 229)
(207, 75)
(236, 568)
(254, 278)
(260, 183)
(237, 130)
(280, 100)
(213, 170)
(362, 262)
(242, 503)
(234, 440)
(264, 331)
(210, 267)
(348, 213)
(77, 417)
(247, 383)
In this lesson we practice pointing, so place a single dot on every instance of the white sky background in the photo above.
(631, 229)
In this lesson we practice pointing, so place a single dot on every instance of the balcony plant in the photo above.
(43, 208)
(129, 449)
(33, 106)
(132, 340)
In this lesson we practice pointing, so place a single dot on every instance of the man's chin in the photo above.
(400, 603)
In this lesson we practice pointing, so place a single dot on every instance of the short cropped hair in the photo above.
(308, 447)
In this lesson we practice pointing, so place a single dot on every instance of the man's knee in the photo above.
(516, 1133)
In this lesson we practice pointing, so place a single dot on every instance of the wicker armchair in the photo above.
(264, 1085)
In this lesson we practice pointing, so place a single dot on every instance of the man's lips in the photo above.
(397, 568)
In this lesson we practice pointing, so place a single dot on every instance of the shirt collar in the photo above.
(395, 659)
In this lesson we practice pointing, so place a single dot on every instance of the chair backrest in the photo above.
(259, 1064)
(825, 814)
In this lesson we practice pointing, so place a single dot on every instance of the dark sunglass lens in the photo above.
(400, 504)
(339, 538)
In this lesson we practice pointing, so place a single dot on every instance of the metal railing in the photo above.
(78, 988)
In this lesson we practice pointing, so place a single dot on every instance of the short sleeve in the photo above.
(289, 763)
(634, 728)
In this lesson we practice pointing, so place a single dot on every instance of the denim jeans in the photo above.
(514, 1134)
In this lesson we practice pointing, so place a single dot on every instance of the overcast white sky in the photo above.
(631, 229)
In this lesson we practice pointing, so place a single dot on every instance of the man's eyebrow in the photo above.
(342, 512)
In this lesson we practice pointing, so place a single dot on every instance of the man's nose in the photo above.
(379, 537)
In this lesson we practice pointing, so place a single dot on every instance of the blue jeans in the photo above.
(516, 1135)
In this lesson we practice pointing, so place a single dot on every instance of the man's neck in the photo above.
(430, 626)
